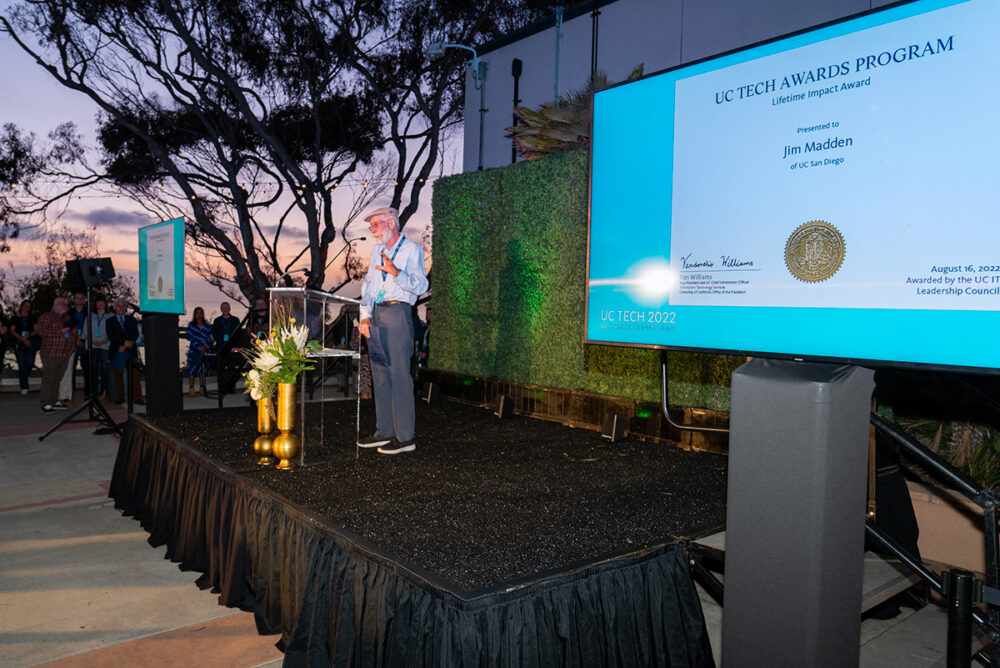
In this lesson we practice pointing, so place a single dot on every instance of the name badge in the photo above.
(97, 332)
(225, 337)
(79, 332)
(24, 333)
(380, 297)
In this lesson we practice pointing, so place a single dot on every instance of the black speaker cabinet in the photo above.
(74, 276)
(88, 272)
(96, 270)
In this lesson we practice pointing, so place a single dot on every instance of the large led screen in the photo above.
(830, 195)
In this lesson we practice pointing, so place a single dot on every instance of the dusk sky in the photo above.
(35, 102)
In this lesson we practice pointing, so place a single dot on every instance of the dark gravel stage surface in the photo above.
(482, 501)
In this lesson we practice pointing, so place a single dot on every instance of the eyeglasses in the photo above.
(376, 224)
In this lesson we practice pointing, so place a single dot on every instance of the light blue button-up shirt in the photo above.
(410, 284)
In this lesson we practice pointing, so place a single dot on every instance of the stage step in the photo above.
(919, 641)
(883, 578)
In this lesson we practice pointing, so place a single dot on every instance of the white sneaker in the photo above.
(24, 391)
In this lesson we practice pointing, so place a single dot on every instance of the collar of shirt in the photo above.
(388, 249)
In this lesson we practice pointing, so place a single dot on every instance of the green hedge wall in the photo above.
(510, 248)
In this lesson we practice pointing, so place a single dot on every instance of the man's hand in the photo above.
(365, 327)
(122, 349)
(388, 266)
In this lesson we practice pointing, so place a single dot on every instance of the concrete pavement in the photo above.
(79, 584)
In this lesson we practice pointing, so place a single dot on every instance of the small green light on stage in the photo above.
(467, 381)
(643, 414)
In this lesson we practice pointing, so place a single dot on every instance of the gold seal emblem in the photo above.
(814, 251)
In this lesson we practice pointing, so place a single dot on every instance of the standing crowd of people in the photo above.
(66, 338)
(222, 340)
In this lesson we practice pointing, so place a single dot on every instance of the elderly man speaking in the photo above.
(396, 277)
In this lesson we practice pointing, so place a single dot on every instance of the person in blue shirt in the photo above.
(98, 353)
(199, 343)
(396, 277)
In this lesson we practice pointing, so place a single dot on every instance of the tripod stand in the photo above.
(97, 412)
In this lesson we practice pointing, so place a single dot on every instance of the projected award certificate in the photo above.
(160, 262)
(161, 267)
(832, 194)
(833, 180)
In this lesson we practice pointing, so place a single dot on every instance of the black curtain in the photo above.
(338, 602)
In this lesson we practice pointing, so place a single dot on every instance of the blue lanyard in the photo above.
(393, 258)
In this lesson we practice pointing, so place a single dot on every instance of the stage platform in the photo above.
(513, 542)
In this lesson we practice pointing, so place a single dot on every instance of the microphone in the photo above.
(289, 273)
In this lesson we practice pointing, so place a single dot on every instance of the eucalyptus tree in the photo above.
(243, 116)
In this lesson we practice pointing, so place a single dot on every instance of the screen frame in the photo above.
(175, 306)
(858, 361)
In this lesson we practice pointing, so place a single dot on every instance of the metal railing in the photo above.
(957, 584)
(960, 587)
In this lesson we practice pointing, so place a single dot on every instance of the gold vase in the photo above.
(286, 445)
(265, 425)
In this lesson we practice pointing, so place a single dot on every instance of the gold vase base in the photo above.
(286, 447)
(262, 448)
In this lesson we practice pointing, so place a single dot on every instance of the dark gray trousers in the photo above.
(393, 384)
(53, 369)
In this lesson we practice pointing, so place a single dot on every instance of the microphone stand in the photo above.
(346, 245)
(306, 271)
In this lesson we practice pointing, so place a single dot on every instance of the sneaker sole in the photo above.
(397, 451)
(374, 444)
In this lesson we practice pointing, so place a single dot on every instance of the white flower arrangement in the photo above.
(279, 358)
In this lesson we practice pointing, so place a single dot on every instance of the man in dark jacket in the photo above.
(227, 335)
(123, 332)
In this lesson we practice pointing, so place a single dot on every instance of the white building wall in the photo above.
(658, 33)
